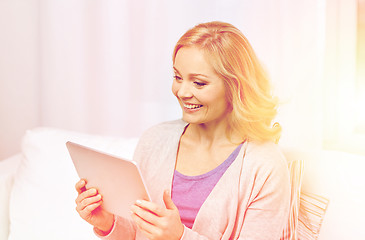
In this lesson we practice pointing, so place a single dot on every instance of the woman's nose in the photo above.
(184, 90)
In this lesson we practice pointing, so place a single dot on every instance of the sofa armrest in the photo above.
(8, 168)
(10, 165)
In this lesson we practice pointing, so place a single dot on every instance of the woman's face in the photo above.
(199, 90)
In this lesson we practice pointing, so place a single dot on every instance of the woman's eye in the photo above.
(200, 84)
(177, 78)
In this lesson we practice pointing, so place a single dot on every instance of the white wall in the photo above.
(19, 72)
(105, 66)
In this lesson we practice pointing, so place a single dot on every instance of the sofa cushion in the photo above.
(311, 214)
(7, 169)
(42, 201)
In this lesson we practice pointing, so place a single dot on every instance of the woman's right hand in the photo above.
(88, 204)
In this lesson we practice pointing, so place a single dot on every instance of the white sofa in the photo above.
(37, 188)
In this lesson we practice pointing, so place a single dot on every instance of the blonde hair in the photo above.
(247, 87)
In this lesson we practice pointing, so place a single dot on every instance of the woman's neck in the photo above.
(207, 135)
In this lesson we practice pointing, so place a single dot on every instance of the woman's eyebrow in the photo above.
(192, 74)
(198, 75)
(176, 70)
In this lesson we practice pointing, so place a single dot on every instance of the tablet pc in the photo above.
(118, 180)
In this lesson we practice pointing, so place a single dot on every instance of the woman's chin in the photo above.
(190, 119)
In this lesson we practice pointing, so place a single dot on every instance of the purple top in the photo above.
(190, 192)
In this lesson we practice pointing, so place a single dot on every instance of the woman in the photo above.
(217, 173)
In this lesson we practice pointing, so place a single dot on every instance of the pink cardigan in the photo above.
(251, 200)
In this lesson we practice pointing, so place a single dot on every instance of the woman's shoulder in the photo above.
(267, 155)
(166, 128)
(159, 139)
(163, 133)
(265, 165)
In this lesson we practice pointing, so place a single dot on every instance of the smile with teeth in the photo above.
(192, 106)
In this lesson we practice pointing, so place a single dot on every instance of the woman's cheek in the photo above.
(174, 88)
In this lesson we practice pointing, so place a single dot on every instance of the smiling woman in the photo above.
(228, 56)
(199, 90)
(217, 173)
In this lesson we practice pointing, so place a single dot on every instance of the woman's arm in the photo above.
(123, 229)
(268, 212)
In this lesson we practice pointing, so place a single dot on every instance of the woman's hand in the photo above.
(88, 204)
(158, 222)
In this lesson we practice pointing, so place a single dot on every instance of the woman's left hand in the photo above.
(158, 222)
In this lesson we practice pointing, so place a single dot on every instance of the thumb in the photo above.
(168, 201)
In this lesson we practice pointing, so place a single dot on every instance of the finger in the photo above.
(89, 209)
(86, 194)
(80, 186)
(146, 227)
(152, 207)
(168, 201)
(88, 201)
(145, 215)
(83, 199)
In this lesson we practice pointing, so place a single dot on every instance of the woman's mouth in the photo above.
(192, 106)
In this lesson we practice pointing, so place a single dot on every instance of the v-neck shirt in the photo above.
(190, 192)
